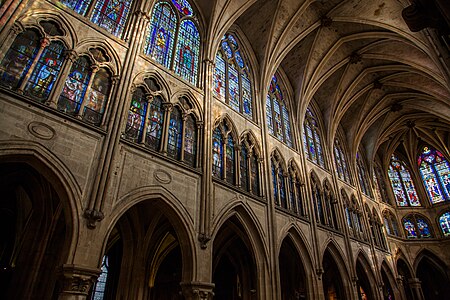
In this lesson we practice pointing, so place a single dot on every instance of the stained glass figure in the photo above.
(435, 171)
(402, 184)
(220, 77)
(100, 285)
(75, 86)
(340, 161)
(98, 97)
(79, 6)
(424, 230)
(270, 125)
(244, 168)
(362, 175)
(161, 34)
(274, 183)
(444, 222)
(292, 199)
(175, 134)
(46, 71)
(232, 71)
(111, 15)
(136, 116)
(312, 140)
(282, 188)
(254, 175)
(187, 51)
(410, 228)
(190, 141)
(155, 124)
(217, 149)
(18, 59)
(183, 7)
(230, 160)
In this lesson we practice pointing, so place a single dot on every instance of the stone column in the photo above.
(77, 281)
(416, 288)
(165, 133)
(44, 43)
(197, 290)
(53, 98)
(87, 95)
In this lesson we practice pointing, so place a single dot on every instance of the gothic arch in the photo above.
(248, 134)
(226, 119)
(293, 232)
(369, 282)
(335, 253)
(114, 64)
(164, 91)
(193, 101)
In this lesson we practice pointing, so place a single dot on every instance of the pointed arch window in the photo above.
(390, 223)
(379, 182)
(136, 116)
(254, 174)
(277, 113)
(111, 15)
(416, 226)
(190, 141)
(329, 203)
(230, 160)
(444, 223)
(217, 168)
(175, 134)
(100, 285)
(341, 162)
(232, 83)
(224, 153)
(402, 184)
(362, 175)
(278, 180)
(173, 39)
(155, 123)
(317, 196)
(311, 139)
(243, 165)
(435, 171)
(249, 165)
(295, 190)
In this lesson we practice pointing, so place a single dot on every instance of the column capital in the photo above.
(78, 280)
(197, 290)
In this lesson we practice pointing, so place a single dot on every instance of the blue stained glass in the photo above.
(275, 184)
(233, 87)
(269, 114)
(319, 148)
(160, 35)
(409, 187)
(254, 175)
(247, 95)
(175, 132)
(79, 6)
(230, 160)
(244, 168)
(75, 86)
(444, 222)
(424, 230)
(291, 192)
(281, 187)
(233, 41)
(190, 141)
(99, 289)
(111, 15)
(136, 116)
(46, 71)
(435, 171)
(239, 60)
(155, 124)
(18, 59)
(410, 229)
(337, 159)
(217, 153)
(98, 97)
(187, 51)
(402, 184)
(183, 7)
(226, 48)
(287, 126)
(311, 148)
(219, 77)
(277, 117)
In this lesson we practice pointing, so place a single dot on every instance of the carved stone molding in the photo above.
(197, 290)
(78, 280)
(93, 216)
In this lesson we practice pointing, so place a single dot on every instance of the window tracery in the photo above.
(311, 139)
(390, 223)
(435, 171)
(416, 226)
(296, 195)
(278, 181)
(402, 184)
(341, 162)
(363, 176)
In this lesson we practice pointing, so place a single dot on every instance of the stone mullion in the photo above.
(224, 157)
(85, 99)
(249, 170)
(183, 132)
(149, 99)
(106, 116)
(259, 169)
(199, 142)
(7, 43)
(118, 114)
(288, 190)
(70, 56)
(44, 43)
(295, 193)
(237, 162)
(165, 133)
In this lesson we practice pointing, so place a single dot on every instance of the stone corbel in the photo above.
(203, 238)
(93, 216)
(197, 290)
(77, 280)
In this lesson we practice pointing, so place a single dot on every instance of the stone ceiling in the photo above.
(374, 81)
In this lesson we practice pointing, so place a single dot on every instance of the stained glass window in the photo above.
(98, 97)
(444, 222)
(136, 116)
(187, 51)
(435, 171)
(416, 226)
(278, 179)
(172, 22)
(175, 134)
(295, 196)
(99, 288)
(341, 162)
(402, 184)
(274, 182)
(230, 160)
(380, 182)
(79, 6)
(244, 168)
(311, 139)
(155, 124)
(46, 71)
(18, 59)
(277, 114)
(232, 72)
(254, 169)
(161, 34)
(217, 153)
(111, 15)
(362, 175)
(190, 141)
(281, 187)
(75, 86)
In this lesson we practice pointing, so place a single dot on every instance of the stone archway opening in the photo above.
(333, 288)
(292, 273)
(434, 281)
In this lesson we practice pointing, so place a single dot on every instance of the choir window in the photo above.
(363, 176)
(296, 197)
(341, 162)
(249, 165)
(444, 223)
(278, 180)
(416, 226)
(435, 171)
(311, 139)
(402, 184)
